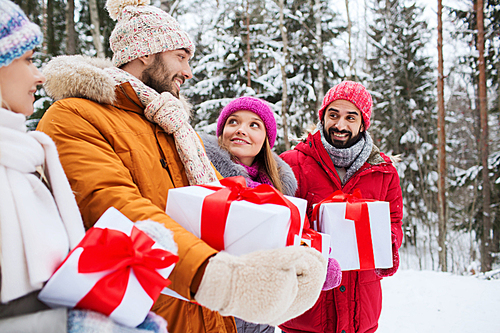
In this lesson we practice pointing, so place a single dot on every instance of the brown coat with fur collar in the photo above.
(113, 156)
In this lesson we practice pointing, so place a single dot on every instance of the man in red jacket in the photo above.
(340, 155)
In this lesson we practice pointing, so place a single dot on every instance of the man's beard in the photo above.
(158, 77)
(351, 141)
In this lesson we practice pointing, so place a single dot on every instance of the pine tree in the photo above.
(467, 176)
(404, 114)
(220, 65)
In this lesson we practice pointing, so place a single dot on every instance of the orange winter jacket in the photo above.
(113, 156)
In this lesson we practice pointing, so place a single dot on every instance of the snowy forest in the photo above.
(438, 108)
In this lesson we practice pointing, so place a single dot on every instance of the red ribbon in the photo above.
(107, 249)
(315, 238)
(357, 211)
(216, 208)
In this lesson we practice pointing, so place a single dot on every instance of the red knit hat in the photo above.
(353, 92)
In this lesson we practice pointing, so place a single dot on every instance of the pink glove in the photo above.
(385, 272)
(333, 275)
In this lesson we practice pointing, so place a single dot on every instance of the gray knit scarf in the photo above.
(351, 158)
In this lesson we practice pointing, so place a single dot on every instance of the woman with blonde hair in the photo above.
(39, 219)
(246, 133)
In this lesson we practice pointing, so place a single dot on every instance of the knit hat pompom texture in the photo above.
(143, 30)
(255, 105)
(353, 92)
(17, 34)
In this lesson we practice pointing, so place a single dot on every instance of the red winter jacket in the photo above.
(355, 305)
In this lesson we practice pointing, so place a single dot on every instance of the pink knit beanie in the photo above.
(143, 30)
(255, 105)
(353, 92)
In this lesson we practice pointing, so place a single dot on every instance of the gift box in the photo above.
(359, 229)
(316, 240)
(238, 219)
(116, 269)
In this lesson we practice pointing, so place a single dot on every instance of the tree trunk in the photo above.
(50, 31)
(441, 148)
(498, 89)
(284, 97)
(486, 258)
(249, 76)
(320, 89)
(349, 44)
(70, 28)
(96, 29)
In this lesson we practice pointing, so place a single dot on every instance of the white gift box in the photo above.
(249, 227)
(67, 287)
(317, 240)
(342, 231)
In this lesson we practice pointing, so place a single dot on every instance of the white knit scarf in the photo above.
(37, 227)
(168, 112)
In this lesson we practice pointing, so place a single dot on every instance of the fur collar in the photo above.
(79, 76)
(227, 168)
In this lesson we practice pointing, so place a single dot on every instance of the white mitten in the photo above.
(159, 234)
(266, 287)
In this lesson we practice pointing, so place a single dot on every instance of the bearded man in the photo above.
(124, 139)
(340, 155)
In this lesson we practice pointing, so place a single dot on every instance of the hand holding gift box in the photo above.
(360, 230)
(116, 269)
(238, 219)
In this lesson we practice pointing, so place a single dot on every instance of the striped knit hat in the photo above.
(143, 30)
(17, 34)
(353, 92)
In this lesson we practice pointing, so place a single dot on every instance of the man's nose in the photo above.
(341, 124)
(186, 72)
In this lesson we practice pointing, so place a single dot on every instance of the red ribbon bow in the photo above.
(216, 208)
(357, 211)
(107, 249)
(314, 237)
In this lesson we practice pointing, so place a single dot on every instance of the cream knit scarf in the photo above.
(37, 227)
(169, 112)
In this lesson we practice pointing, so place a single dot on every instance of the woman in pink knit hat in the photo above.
(246, 133)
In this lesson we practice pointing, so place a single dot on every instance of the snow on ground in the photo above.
(428, 301)
(434, 302)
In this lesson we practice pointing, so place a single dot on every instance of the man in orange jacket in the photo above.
(124, 140)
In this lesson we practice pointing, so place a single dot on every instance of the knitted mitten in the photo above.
(86, 321)
(266, 287)
(333, 275)
(159, 234)
(154, 323)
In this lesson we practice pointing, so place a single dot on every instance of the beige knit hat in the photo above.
(143, 30)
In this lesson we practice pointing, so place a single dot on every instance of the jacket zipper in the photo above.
(163, 161)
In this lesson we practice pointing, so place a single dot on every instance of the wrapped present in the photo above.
(116, 269)
(238, 219)
(316, 240)
(360, 230)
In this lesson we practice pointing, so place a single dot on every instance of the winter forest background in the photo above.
(291, 52)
